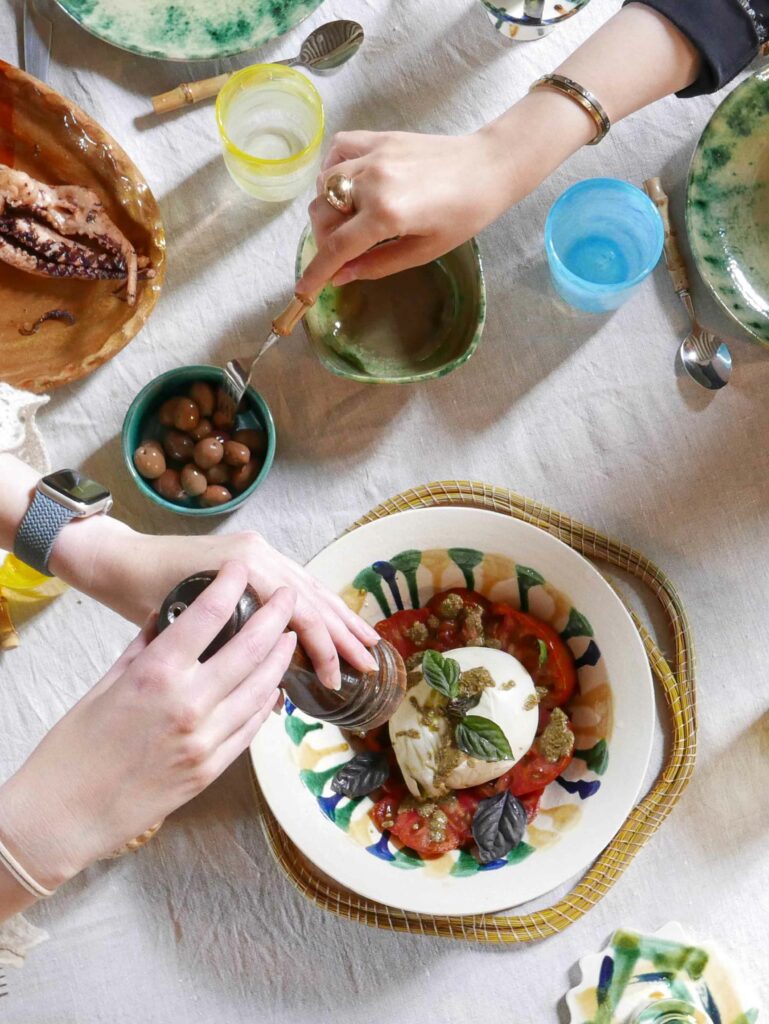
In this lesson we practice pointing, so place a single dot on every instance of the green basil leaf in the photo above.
(498, 826)
(480, 737)
(543, 652)
(441, 673)
(458, 707)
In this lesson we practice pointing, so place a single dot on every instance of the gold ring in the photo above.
(338, 192)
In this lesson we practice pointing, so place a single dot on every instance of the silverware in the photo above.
(37, 40)
(704, 356)
(326, 48)
(237, 378)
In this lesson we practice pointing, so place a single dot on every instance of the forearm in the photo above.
(634, 59)
(92, 555)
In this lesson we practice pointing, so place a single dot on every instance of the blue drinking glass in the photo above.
(602, 238)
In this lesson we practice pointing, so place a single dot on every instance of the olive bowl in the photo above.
(141, 424)
(462, 339)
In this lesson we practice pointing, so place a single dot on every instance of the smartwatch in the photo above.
(59, 497)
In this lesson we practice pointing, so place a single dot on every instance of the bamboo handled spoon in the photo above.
(326, 48)
(705, 356)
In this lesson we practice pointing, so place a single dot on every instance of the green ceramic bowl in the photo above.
(727, 210)
(141, 424)
(461, 333)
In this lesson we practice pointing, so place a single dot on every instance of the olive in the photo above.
(203, 429)
(236, 454)
(178, 446)
(254, 440)
(202, 395)
(243, 476)
(222, 419)
(169, 486)
(149, 460)
(193, 480)
(214, 495)
(166, 413)
(218, 474)
(186, 414)
(208, 452)
(221, 435)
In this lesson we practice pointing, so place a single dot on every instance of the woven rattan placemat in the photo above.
(676, 676)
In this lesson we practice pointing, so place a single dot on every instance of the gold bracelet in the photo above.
(580, 95)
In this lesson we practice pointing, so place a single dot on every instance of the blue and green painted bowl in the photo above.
(727, 208)
(141, 424)
(400, 562)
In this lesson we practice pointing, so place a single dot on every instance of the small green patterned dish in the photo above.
(451, 339)
(727, 209)
(188, 30)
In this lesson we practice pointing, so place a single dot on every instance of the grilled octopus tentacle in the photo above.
(69, 210)
(41, 250)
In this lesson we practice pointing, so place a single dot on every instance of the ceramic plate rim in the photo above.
(330, 850)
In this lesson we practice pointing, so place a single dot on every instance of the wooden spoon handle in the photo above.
(188, 92)
(673, 257)
(293, 313)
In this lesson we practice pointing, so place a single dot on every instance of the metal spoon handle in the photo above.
(673, 258)
(289, 62)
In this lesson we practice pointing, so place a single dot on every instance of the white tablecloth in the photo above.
(583, 413)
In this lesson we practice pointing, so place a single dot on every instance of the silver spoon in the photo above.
(704, 356)
(328, 47)
(325, 49)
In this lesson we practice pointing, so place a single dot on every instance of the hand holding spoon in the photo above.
(325, 49)
(705, 357)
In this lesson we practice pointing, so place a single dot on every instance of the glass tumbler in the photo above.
(602, 238)
(271, 122)
(524, 20)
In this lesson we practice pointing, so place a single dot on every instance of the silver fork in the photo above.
(236, 378)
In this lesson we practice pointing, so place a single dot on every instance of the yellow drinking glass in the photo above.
(271, 123)
(15, 575)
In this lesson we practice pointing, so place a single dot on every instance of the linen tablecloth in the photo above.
(583, 413)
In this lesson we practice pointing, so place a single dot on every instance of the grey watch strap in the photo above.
(38, 531)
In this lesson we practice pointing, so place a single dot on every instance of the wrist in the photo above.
(32, 834)
(533, 138)
(98, 556)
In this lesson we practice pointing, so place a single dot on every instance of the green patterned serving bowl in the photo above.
(727, 208)
(400, 562)
(189, 30)
(458, 339)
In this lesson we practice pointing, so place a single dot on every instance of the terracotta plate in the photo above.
(50, 138)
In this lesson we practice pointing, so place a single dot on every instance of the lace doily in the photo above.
(19, 433)
(17, 937)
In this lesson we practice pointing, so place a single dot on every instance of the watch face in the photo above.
(77, 487)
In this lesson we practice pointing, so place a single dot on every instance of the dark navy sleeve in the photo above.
(727, 33)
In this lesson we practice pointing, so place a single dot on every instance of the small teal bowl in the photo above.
(602, 238)
(141, 424)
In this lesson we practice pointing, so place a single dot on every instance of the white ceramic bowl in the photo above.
(402, 560)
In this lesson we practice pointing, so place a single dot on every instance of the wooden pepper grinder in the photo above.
(365, 701)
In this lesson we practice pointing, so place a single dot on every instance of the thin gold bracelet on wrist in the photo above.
(580, 95)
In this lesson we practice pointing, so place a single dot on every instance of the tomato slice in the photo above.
(531, 802)
(396, 628)
(520, 635)
(414, 831)
(468, 597)
(532, 773)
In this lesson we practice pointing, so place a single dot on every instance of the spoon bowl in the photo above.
(706, 358)
(328, 47)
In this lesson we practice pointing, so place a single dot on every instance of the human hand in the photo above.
(133, 572)
(155, 731)
(424, 194)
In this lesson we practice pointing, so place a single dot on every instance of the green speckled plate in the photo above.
(727, 210)
(188, 29)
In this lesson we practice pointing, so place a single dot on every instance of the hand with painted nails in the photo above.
(155, 731)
